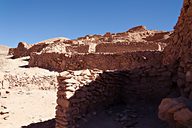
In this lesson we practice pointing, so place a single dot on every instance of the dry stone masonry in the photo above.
(178, 111)
(103, 61)
(84, 91)
(135, 39)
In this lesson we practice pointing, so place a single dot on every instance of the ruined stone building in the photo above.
(144, 67)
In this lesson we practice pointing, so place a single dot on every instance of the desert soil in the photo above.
(23, 105)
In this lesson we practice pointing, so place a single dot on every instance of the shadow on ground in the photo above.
(118, 116)
(46, 124)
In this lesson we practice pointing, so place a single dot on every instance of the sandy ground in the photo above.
(24, 107)
(24, 103)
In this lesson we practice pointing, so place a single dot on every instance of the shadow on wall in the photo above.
(140, 86)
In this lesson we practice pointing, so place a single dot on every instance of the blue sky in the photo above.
(35, 20)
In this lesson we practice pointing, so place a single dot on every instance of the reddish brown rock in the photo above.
(108, 34)
(179, 110)
(176, 111)
(21, 50)
(24, 49)
(137, 29)
(180, 40)
(183, 116)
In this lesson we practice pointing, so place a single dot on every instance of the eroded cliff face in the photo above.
(177, 111)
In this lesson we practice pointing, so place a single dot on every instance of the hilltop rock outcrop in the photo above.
(138, 29)
(23, 49)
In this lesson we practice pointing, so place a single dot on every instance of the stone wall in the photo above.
(129, 47)
(77, 49)
(159, 37)
(148, 84)
(120, 61)
(183, 33)
(80, 94)
(180, 51)
(85, 91)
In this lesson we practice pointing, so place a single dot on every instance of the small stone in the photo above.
(133, 116)
(62, 102)
(183, 115)
(4, 107)
(65, 73)
(70, 89)
(124, 118)
(86, 72)
(94, 113)
(72, 80)
(69, 94)
(5, 118)
(7, 92)
(3, 113)
(180, 82)
(189, 76)
(77, 73)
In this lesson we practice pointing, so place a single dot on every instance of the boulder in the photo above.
(176, 111)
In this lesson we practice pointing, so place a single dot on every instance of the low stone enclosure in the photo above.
(82, 92)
